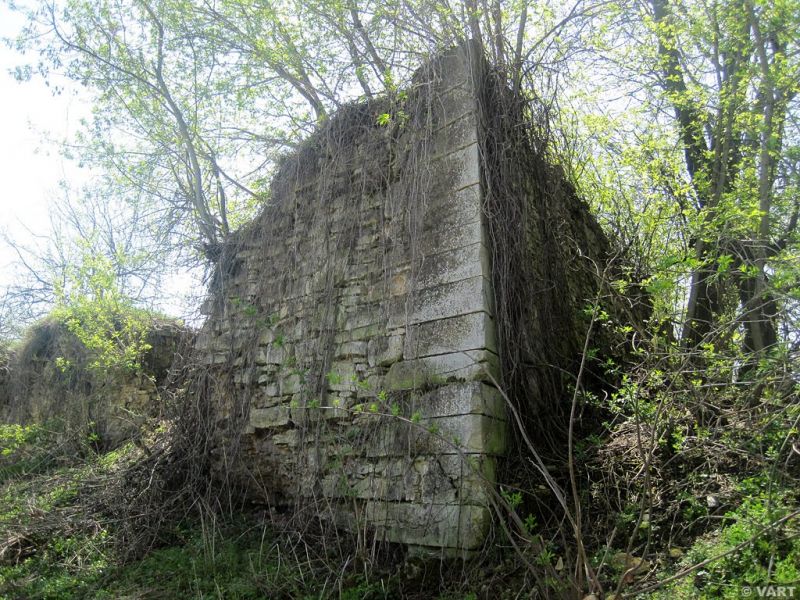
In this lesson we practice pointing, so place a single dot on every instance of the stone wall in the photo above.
(47, 379)
(356, 328)
(354, 320)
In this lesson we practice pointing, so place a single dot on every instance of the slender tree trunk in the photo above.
(759, 312)
(704, 300)
(758, 303)
(471, 7)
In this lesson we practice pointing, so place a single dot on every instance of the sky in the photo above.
(32, 120)
(30, 165)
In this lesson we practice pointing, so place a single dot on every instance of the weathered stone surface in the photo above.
(270, 386)
(448, 525)
(452, 212)
(286, 438)
(352, 349)
(452, 265)
(451, 478)
(464, 163)
(460, 434)
(218, 358)
(442, 301)
(271, 355)
(291, 384)
(265, 418)
(442, 368)
(442, 239)
(446, 336)
(369, 278)
(458, 129)
(461, 399)
(385, 350)
(268, 396)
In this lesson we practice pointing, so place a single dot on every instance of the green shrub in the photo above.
(772, 558)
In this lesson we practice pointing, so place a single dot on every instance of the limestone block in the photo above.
(350, 300)
(430, 524)
(289, 438)
(464, 165)
(460, 434)
(450, 105)
(351, 349)
(470, 434)
(447, 300)
(365, 333)
(269, 386)
(465, 332)
(459, 125)
(338, 409)
(291, 384)
(412, 479)
(454, 478)
(268, 371)
(305, 350)
(452, 265)
(390, 479)
(362, 316)
(357, 273)
(266, 398)
(470, 365)
(265, 418)
(450, 212)
(373, 487)
(367, 240)
(217, 358)
(336, 485)
(471, 398)
(383, 351)
(396, 480)
(441, 238)
(370, 215)
(299, 415)
(370, 387)
(344, 376)
(204, 339)
(243, 376)
(271, 355)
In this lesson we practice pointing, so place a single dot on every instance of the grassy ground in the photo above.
(52, 547)
(55, 545)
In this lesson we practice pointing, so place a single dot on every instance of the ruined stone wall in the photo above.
(354, 323)
(48, 379)
(356, 327)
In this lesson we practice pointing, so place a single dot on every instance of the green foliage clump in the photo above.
(14, 437)
(21, 450)
(105, 321)
(750, 551)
